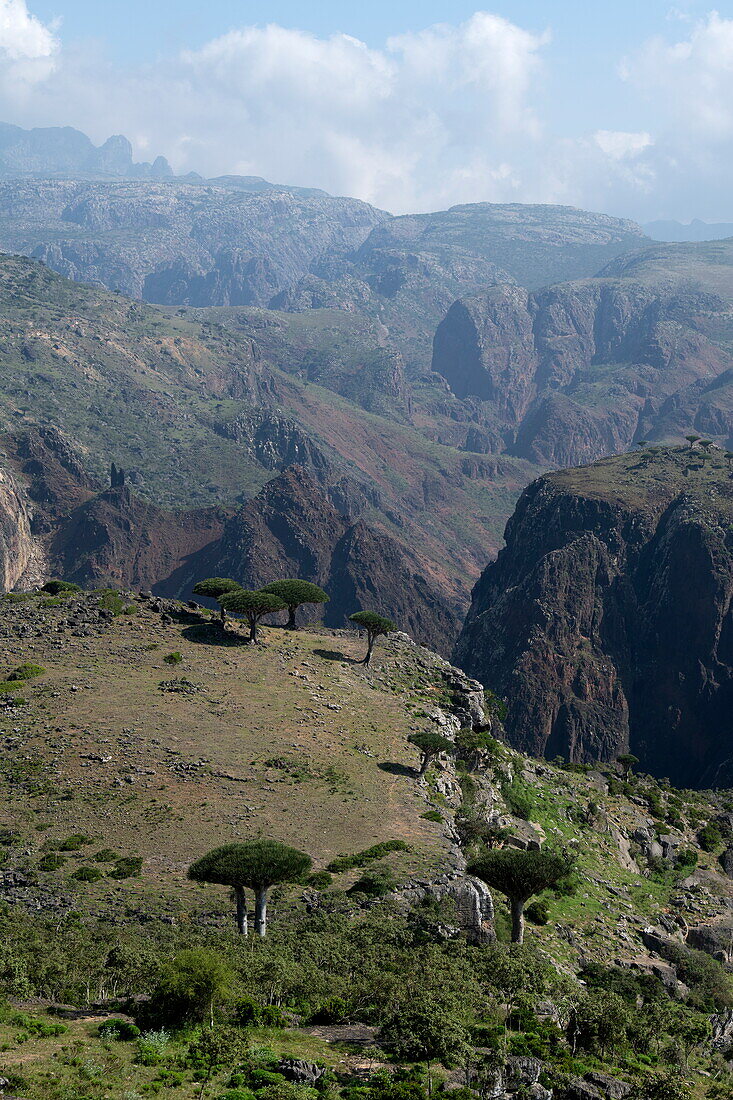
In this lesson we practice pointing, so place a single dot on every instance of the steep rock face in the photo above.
(119, 539)
(292, 529)
(22, 559)
(571, 372)
(56, 480)
(607, 621)
(232, 280)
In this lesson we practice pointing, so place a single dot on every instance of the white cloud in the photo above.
(693, 77)
(436, 117)
(22, 36)
(620, 144)
(27, 48)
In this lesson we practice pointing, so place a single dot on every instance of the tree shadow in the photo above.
(336, 655)
(212, 634)
(397, 769)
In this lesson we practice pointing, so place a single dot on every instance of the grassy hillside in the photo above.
(114, 754)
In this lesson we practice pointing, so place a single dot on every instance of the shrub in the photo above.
(9, 837)
(51, 862)
(248, 1011)
(361, 859)
(122, 1030)
(55, 588)
(26, 671)
(152, 1047)
(111, 600)
(686, 858)
(432, 815)
(106, 855)
(319, 880)
(375, 883)
(73, 843)
(710, 837)
(34, 1025)
(518, 799)
(173, 658)
(127, 867)
(87, 874)
(538, 912)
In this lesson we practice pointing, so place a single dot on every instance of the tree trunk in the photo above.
(370, 646)
(261, 912)
(223, 617)
(291, 617)
(253, 628)
(242, 924)
(517, 908)
(425, 763)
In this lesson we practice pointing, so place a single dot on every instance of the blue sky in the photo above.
(625, 107)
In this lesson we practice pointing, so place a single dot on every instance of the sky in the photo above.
(625, 108)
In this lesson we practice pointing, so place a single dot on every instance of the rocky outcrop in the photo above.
(568, 373)
(292, 529)
(607, 621)
(470, 897)
(275, 442)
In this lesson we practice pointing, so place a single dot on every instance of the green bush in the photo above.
(122, 1030)
(432, 815)
(173, 658)
(361, 859)
(710, 837)
(110, 600)
(538, 912)
(249, 1012)
(55, 588)
(152, 1047)
(73, 843)
(374, 883)
(686, 858)
(319, 880)
(34, 1025)
(518, 798)
(51, 862)
(87, 874)
(127, 867)
(106, 855)
(26, 671)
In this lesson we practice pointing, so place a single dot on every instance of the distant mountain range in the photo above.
(694, 231)
(420, 370)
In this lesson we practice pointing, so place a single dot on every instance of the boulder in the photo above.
(301, 1072)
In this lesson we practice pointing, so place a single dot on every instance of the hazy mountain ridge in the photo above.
(573, 371)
